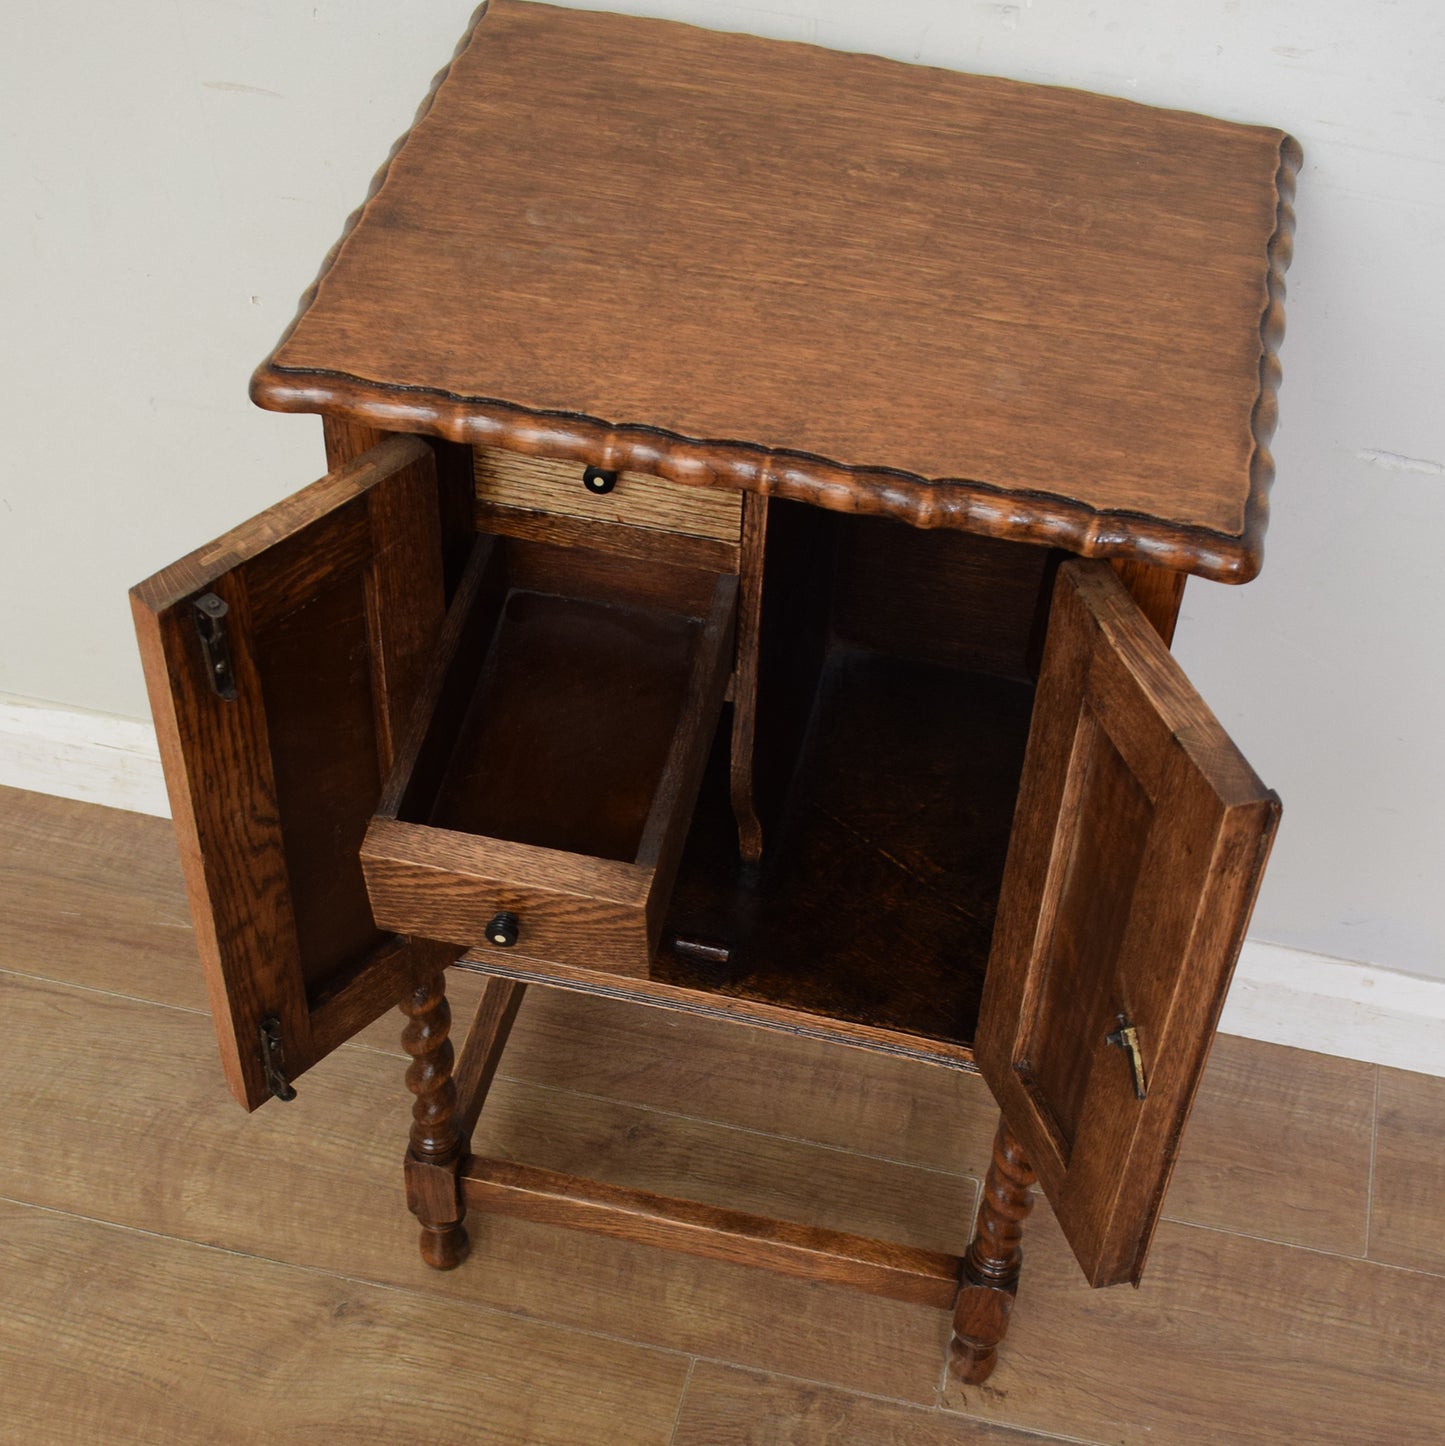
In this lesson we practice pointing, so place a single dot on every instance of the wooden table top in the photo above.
(969, 302)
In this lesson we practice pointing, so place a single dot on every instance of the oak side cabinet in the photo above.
(763, 483)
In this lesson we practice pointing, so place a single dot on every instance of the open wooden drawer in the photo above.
(543, 795)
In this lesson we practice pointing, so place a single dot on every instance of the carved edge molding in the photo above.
(1022, 515)
(1265, 416)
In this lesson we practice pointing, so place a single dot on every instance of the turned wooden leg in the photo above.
(992, 1263)
(436, 1146)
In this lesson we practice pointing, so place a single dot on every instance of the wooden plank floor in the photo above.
(173, 1270)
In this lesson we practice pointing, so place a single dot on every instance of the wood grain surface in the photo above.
(955, 299)
(1278, 1146)
(1231, 1341)
(810, 1252)
(729, 1407)
(319, 1185)
(512, 479)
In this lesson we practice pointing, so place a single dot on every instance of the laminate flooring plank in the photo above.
(1407, 1222)
(116, 1109)
(1279, 1147)
(94, 896)
(646, 1149)
(112, 1336)
(1231, 1342)
(728, 1407)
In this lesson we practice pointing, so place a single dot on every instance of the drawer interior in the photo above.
(552, 768)
(564, 737)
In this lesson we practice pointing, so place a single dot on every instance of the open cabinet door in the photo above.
(282, 661)
(1137, 848)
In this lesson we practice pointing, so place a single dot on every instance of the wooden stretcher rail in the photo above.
(921, 1277)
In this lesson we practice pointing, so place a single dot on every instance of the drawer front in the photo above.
(537, 484)
(508, 897)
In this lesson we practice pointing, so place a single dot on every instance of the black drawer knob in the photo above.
(594, 479)
(503, 930)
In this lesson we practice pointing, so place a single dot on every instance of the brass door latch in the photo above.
(1126, 1037)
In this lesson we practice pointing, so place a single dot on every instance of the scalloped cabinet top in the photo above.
(967, 302)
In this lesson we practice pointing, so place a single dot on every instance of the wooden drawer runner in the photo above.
(550, 776)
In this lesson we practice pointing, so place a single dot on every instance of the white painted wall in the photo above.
(173, 174)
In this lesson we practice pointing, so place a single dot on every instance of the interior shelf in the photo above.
(875, 902)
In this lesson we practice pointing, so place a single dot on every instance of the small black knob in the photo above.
(594, 479)
(503, 930)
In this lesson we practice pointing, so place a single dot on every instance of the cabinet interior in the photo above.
(874, 898)
(844, 857)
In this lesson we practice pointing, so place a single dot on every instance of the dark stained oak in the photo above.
(552, 763)
(874, 904)
(992, 1262)
(902, 1272)
(954, 299)
(487, 1037)
(787, 301)
(437, 1141)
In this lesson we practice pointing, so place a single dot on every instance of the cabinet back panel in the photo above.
(942, 596)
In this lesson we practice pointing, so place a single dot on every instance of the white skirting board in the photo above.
(90, 756)
(1281, 995)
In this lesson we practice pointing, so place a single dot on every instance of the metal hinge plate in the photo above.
(210, 612)
(273, 1059)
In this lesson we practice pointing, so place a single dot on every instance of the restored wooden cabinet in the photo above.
(763, 485)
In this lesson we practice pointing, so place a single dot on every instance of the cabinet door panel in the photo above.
(1138, 845)
(333, 601)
